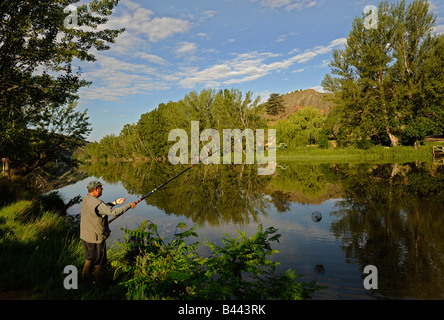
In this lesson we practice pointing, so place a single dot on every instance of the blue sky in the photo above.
(172, 47)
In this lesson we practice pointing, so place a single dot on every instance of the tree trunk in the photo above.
(7, 170)
(393, 139)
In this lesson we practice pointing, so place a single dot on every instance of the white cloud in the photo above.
(439, 29)
(130, 67)
(264, 96)
(208, 14)
(140, 21)
(231, 40)
(318, 89)
(185, 48)
(249, 66)
(126, 43)
(151, 58)
(113, 78)
(284, 37)
(433, 7)
(289, 4)
(325, 63)
(245, 67)
(165, 27)
(203, 35)
(113, 64)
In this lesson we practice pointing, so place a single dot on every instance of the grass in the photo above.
(36, 246)
(375, 154)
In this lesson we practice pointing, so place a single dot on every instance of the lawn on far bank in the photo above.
(378, 154)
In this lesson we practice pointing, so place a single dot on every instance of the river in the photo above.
(390, 216)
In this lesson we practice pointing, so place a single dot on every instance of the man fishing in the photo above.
(94, 230)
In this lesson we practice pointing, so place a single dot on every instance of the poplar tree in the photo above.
(388, 79)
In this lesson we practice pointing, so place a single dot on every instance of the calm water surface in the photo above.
(389, 215)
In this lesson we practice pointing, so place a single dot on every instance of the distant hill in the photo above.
(296, 100)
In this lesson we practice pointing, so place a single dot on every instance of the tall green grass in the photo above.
(36, 245)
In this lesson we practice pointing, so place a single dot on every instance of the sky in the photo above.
(173, 47)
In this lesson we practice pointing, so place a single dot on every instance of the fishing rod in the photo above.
(165, 183)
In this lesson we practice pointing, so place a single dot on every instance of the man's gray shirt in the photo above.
(94, 218)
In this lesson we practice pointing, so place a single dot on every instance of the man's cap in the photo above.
(94, 184)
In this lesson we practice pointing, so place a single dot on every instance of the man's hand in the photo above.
(133, 205)
(120, 200)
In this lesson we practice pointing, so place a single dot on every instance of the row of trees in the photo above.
(148, 138)
(223, 109)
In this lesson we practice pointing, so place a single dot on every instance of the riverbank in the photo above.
(315, 154)
(379, 154)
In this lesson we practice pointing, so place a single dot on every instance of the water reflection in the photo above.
(390, 216)
(210, 194)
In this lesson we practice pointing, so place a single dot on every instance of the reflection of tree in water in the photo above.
(303, 183)
(281, 200)
(206, 194)
(392, 217)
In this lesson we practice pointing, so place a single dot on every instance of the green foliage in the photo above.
(275, 104)
(38, 120)
(148, 138)
(301, 128)
(323, 140)
(36, 243)
(364, 144)
(241, 270)
(384, 86)
(153, 269)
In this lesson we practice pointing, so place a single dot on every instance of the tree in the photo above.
(58, 132)
(301, 128)
(153, 131)
(37, 80)
(275, 104)
(380, 78)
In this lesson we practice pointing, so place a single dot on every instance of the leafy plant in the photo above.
(151, 268)
(155, 269)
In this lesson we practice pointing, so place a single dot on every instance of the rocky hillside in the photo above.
(296, 100)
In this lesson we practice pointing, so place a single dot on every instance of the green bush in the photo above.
(150, 268)
(323, 141)
(364, 144)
